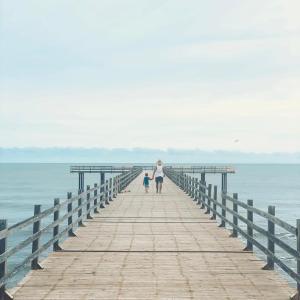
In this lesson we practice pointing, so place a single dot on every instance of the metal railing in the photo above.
(203, 169)
(97, 169)
(242, 213)
(66, 216)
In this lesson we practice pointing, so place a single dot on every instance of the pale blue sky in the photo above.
(161, 74)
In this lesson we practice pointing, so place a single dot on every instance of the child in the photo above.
(146, 182)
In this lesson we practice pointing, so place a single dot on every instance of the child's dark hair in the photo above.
(146, 174)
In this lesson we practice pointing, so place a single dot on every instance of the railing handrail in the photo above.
(87, 202)
(291, 229)
(99, 168)
(43, 214)
(259, 229)
(203, 194)
(202, 169)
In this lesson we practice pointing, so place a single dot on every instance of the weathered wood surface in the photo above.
(149, 246)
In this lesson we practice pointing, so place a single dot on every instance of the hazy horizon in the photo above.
(140, 155)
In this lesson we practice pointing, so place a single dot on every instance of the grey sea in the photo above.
(23, 185)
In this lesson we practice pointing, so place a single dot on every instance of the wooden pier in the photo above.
(151, 246)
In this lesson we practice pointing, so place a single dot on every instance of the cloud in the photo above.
(121, 119)
(150, 74)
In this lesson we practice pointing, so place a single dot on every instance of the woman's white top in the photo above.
(159, 171)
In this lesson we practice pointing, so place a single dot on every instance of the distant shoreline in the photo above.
(121, 155)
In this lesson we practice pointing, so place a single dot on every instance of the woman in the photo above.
(158, 173)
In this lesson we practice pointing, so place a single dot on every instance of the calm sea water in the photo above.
(23, 185)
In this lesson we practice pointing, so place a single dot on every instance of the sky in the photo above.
(194, 74)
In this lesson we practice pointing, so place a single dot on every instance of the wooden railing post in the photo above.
(271, 245)
(106, 192)
(102, 200)
(88, 202)
(187, 183)
(298, 249)
(70, 218)
(199, 193)
(195, 196)
(80, 222)
(208, 199)
(35, 243)
(102, 188)
(191, 194)
(181, 180)
(203, 196)
(223, 223)
(297, 294)
(235, 218)
(3, 246)
(110, 190)
(114, 187)
(119, 184)
(224, 193)
(56, 246)
(249, 246)
(96, 211)
(215, 197)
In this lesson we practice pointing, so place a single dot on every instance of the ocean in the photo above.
(23, 185)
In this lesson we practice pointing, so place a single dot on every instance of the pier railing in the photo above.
(65, 216)
(240, 217)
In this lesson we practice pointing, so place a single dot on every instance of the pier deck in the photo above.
(149, 246)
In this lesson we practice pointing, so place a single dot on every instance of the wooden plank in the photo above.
(152, 246)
